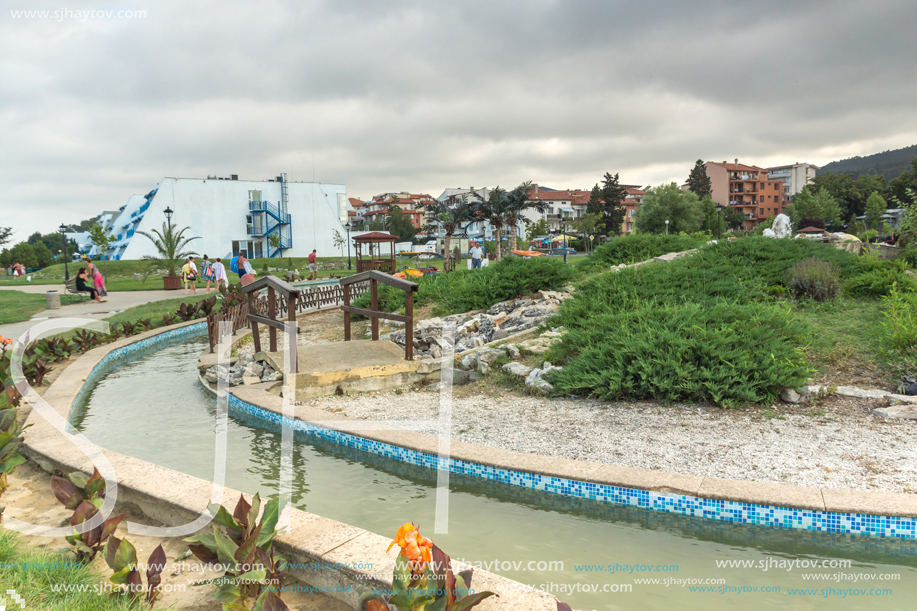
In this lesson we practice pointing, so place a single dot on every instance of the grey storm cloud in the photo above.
(385, 96)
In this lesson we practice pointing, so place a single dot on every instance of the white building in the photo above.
(232, 216)
(794, 177)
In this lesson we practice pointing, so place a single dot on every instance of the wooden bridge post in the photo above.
(346, 313)
(374, 305)
(409, 325)
(272, 314)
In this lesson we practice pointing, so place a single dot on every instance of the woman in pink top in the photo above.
(99, 281)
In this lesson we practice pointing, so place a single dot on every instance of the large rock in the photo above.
(904, 411)
(270, 375)
(470, 362)
(489, 355)
(253, 370)
(517, 369)
(534, 380)
(469, 327)
(788, 395)
(432, 324)
(502, 308)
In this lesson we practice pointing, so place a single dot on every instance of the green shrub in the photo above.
(479, 289)
(643, 246)
(879, 281)
(910, 255)
(724, 354)
(813, 278)
(900, 310)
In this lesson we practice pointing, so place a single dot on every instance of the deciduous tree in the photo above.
(669, 202)
(820, 205)
(399, 224)
(875, 208)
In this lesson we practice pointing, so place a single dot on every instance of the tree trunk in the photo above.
(448, 253)
(498, 234)
(512, 232)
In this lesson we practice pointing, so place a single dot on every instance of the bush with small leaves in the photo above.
(814, 278)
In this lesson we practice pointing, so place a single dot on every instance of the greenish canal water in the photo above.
(586, 554)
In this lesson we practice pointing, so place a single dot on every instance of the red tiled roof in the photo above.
(738, 168)
(375, 236)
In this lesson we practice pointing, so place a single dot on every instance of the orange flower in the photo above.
(413, 546)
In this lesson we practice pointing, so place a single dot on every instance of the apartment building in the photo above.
(563, 206)
(412, 204)
(632, 202)
(747, 188)
(794, 177)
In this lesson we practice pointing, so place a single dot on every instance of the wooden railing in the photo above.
(308, 299)
(374, 278)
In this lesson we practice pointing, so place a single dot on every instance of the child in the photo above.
(207, 271)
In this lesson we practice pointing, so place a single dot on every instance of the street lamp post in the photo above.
(168, 212)
(667, 226)
(719, 223)
(62, 230)
(347, 227)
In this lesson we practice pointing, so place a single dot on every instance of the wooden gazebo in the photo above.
(373, 258)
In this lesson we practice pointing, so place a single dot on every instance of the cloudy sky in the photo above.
(399, 95)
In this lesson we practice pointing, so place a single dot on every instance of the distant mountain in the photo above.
(888, 163)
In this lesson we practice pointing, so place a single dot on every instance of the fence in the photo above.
(310, 299)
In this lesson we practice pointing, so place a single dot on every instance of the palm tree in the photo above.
(518, 203)
(494, 210)
(170, 244)
(453, 217)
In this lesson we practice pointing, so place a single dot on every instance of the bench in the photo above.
(70, 285)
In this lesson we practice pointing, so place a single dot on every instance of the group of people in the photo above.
(211, 271)
(90, 280)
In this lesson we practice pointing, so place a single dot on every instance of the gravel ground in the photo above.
(838, 444)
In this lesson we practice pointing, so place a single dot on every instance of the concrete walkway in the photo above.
(116, 302)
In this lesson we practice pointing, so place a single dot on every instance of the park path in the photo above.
(116, 302)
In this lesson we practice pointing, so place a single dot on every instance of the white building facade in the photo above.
(231, 216)
(794, 177)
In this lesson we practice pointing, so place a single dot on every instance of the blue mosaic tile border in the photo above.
(723, 511)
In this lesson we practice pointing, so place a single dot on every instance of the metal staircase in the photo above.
(269, 219)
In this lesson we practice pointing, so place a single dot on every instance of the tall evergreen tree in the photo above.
(699, 182)
(607, 201)
(398, 223)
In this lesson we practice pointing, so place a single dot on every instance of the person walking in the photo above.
(477, 255)
(82, 284)
(219, 273)
(207, 272)
(189, 275)
(313, 266)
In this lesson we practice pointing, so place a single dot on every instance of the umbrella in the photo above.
(811, 230)
(561, 238)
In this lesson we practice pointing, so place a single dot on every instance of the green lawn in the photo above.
(120, 274)
(16, 306)
(34, 573)
(846, 336)
(156, 309)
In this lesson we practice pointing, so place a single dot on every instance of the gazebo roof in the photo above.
(811, 230)
(375, 236)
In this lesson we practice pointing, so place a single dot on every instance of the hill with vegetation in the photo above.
(887, 163)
